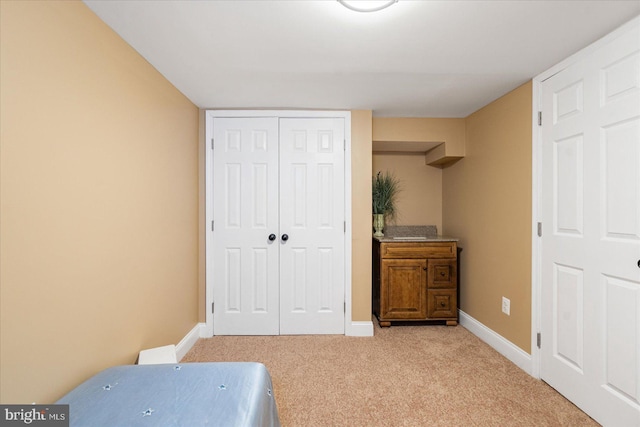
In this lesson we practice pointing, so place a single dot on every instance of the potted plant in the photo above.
(385, 188)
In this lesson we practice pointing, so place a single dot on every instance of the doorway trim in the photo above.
(536, 179)
(351, 328)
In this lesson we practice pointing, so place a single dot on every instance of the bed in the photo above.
(180, 394)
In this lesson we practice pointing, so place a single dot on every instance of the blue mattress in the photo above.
(189, 394)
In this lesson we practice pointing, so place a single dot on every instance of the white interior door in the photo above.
(590, 207)
(279, 226)
(312, 216)
(245, 212)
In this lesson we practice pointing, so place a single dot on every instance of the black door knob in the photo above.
(285, 237)
(639, 263)
(272, 237)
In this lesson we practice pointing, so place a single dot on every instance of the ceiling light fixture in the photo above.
(366, 6)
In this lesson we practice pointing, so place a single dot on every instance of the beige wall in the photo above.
(420, 200)
(361, 214)
(98, 181)
(487, 203)
(202, 219)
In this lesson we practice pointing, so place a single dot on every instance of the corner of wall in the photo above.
(487, 204)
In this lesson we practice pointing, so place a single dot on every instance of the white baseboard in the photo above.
(355, 329)
(360, 329)
(515, 354)
(189, 341)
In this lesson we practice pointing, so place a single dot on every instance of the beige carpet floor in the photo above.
(403, 376)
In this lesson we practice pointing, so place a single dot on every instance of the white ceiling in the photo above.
(414, 59)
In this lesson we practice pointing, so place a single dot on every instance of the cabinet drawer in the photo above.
(442, 303)
(418, 250)
(442, 273)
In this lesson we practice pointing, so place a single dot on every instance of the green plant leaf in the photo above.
(385, 189)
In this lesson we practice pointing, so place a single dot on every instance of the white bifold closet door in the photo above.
(590, 348)
(278, 251)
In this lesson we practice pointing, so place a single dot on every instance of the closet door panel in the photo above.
(312, 216)
(246, 278)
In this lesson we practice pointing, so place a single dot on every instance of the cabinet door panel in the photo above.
(404, 283)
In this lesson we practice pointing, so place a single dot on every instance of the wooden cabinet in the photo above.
(415, 281)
